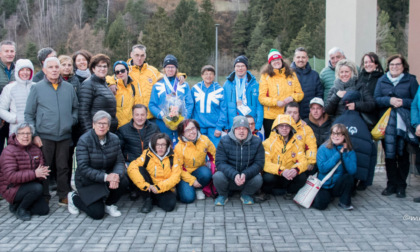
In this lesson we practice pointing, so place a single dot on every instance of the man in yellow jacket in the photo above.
(285, 161)
(304, 134)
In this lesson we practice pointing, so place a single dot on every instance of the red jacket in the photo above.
(17, 166)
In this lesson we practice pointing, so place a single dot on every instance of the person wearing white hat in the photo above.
(318, 120)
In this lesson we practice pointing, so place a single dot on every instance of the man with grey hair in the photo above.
(42, 55)
(327, 74)
(309, 80)
(52, 107)
(7, 75)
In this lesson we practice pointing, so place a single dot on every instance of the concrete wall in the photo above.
(351, 25)
(414, 38)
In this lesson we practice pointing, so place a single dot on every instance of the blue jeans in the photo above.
(186, 192)
(209, 132)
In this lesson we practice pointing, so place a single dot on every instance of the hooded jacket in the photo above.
(18, 164)
(94, 95)
(144, 77)
(192, 155)
(52, 112)
(327, 77)
(307, 138)
(134, 141)
(280, 155)
(252, 93)
(311, 87)
(209, 106)
(95, 160)
(164, 176)
(278, 87)
(14, 96)
(126, 97)
(234, 157)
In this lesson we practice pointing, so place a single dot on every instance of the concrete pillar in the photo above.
(351, 25)
(414, 38)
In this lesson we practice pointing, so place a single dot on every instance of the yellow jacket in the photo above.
(164, 176)
(191, 156)
(280, 156)
(306, 135)
(126, 97)
(278, 88)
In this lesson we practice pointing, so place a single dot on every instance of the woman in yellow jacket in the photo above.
(285, 161)
(191, 152)
(156, 172)
(126, 93)
(279, 86)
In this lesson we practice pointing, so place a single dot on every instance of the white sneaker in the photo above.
(112, 210)
(199, 194)
(70, 206)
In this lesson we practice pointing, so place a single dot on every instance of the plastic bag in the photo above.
(378, 132)
(173, 111)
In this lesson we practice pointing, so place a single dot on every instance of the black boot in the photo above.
(23, 214)
(147, 205)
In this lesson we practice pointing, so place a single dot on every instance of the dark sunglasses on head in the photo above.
(120, 71)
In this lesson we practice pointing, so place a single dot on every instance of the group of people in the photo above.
(150, 134)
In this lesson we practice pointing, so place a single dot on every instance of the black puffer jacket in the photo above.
(94, 95)
(95, 160)
(233, 157)
(368, 81)
(322, 133)
(75, 82)
(134, 141)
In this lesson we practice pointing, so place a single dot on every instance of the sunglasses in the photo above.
(120, 71)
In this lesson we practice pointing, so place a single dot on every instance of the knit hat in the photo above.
(170, 60)
(241, 59)
(274, 54)
(120, 62)
(240, 121)
(316, 100)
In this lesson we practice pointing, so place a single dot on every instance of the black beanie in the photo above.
(170, 60)
(241, 59)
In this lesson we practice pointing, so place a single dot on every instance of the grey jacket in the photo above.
(52, 112)
(4, 79)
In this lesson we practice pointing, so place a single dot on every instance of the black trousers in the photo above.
(4, 134)
(166, 200)
(271, 181)
(342, 188)
(96, 210)
(29, 197)
(60, 151)
(397, 170)
(267, 124)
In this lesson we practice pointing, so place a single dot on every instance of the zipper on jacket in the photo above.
(122, 101)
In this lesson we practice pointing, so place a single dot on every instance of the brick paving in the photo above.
(378, 223)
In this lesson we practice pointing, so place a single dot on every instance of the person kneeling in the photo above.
(100, 176)
(337, 148)
(239, 161)
(191, 152)
(155, 174)
(285, 161)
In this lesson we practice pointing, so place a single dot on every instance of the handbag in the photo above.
(307, 193)
(378, 132)
(210, 190)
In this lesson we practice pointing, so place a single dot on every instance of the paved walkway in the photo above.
(377, 223)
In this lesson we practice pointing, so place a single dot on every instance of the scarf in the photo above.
(395, 80)
(83, 73)
(349, 85)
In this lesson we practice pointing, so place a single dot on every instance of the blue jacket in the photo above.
(328, 158)
(209, 108)
(362, 143)
(158, 98)
(311, 87)
(252, 92)
(415, 110)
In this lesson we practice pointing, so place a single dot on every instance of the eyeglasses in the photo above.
(101, 66)
(395, 65)
(24, 134)
(120, 71)
(190, 130)
(283, 126)
(337, 134)
(100, 124)
(160, 145)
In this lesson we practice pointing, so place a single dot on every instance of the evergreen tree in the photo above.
(184, 9)
(207, 26)
(317, 42)
(385, 40)
(118, 39)
(260, 55)
(137, 15)
(90, 9)
(192, 52)
(257, 38)
(303, 39)
(160, 38)
(31, 52)
(240, 35)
